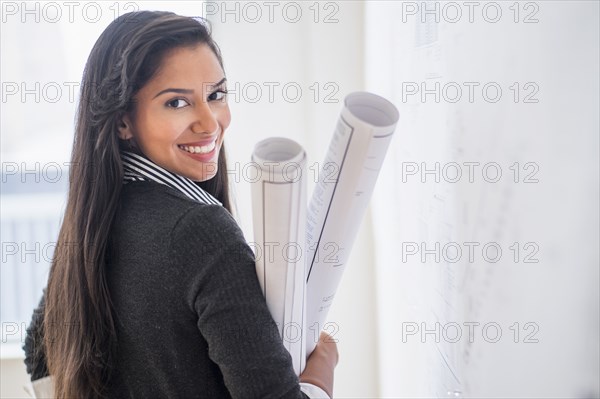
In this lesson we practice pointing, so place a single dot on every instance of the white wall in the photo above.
(553, 351)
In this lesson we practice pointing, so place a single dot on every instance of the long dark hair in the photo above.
(79, 328)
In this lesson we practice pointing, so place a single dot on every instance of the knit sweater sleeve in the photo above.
(35, 357)
(233, 317)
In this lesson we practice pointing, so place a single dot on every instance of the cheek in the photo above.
(225, 117)
(159, 127)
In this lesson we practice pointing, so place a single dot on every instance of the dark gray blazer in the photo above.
(191, 318)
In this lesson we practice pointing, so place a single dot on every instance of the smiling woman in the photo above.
(152, 282)
(181, 115)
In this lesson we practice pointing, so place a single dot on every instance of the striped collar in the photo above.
(139, 168)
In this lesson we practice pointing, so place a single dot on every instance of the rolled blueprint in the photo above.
(279, 218)
(340, 198)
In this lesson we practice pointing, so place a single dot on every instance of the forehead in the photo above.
(187, 66)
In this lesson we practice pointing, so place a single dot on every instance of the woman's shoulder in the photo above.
(153, 193)
(209, 225)
(152, 199)
(150, 205)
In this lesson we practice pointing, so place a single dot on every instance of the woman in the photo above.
(152, 291)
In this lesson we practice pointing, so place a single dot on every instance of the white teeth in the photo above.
(205, 149)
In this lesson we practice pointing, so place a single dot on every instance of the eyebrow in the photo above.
(187, 91)
(219, 83)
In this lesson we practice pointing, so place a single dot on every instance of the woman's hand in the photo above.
(320, 364)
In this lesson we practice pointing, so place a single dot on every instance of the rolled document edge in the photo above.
(369, 119)
(279, 161)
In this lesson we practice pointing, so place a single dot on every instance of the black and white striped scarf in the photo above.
(139, 168)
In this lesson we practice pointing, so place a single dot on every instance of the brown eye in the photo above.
(217, 95)
(177, 103)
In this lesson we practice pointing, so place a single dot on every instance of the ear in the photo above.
(125, 128)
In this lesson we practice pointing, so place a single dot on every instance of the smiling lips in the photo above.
(201, 147)
(205, 149)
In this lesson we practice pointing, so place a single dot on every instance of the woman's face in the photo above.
(181, 114)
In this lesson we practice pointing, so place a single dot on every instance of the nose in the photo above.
(205, 120)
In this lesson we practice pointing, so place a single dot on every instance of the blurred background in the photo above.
(476, 269)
